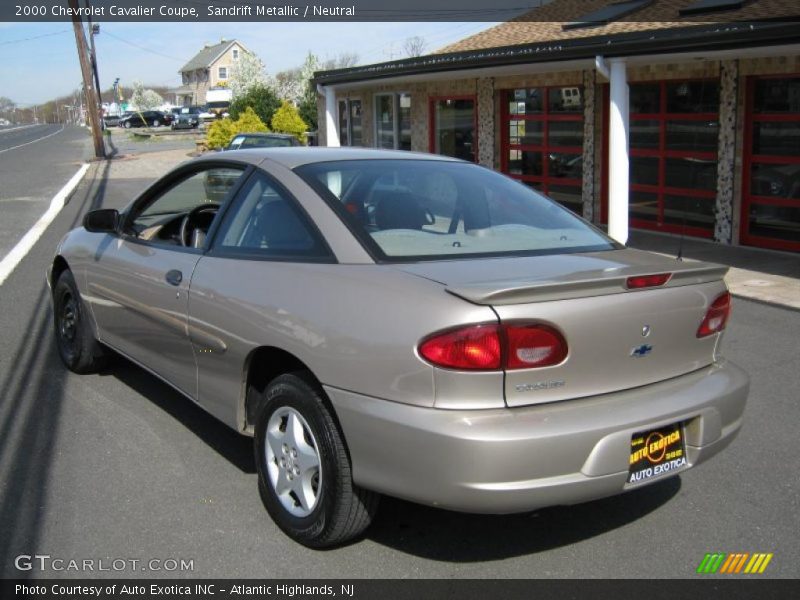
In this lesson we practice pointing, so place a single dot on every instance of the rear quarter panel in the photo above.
(355, 326)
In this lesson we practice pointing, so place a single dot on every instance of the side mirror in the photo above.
(103, 220)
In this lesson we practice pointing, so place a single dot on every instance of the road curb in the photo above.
(18, 252)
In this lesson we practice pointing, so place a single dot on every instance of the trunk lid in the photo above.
(618, 338)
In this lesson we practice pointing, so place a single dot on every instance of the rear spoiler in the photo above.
(585, 284)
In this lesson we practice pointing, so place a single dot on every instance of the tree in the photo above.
(308, 102)
(221, 132)
(246, 74)
(414, 46)
(287, 120)
(260, 98)
(343, 61)
(288, 85)
(7, 107)
(145, 99)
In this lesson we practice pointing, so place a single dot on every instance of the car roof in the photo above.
(294, 156)
(265, 134)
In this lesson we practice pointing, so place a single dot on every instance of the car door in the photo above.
(246, 289)
(139, 283)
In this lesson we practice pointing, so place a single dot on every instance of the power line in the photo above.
(140, 47)
(35, 37)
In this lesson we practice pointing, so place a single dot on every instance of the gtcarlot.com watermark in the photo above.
(46, 562)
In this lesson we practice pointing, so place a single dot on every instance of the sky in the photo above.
(41, 62)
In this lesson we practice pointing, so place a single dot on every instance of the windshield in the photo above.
(424, 209)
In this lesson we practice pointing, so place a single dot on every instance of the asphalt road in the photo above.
(35, 162)
(117, 465)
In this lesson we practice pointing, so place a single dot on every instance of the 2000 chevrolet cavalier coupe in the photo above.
(403, 324)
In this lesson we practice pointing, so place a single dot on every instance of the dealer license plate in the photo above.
(656, 452)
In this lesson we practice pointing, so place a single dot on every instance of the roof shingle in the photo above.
(206, 56)
(544, 24)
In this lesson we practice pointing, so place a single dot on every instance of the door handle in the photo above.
(174, 277)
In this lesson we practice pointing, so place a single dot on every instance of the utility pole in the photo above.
(93, 31)
(91, 98)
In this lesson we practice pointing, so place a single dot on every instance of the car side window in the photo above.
(265, 221)
(182, 214)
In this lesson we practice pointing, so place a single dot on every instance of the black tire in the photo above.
(341, 510)
(79, 350)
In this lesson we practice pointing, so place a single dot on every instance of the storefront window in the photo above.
(777, 95)
(525, 102)
(404, 121)
(350, 129)
(692, 97)
(344, 127)
(392, 121)
(543, 141)
(454, 131)
(384, 121)
(645, 98)
(691, 136)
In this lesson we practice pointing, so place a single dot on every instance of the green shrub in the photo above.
(261, 99)
(249, 121)
(308, 108)
(221, 132)
(287, 120)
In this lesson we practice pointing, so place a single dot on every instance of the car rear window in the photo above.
(265, 142)
(430, 209)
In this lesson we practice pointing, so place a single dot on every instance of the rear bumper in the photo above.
(520, 459)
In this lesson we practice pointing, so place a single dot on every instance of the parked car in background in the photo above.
(145, 118)
(206, 114)
(187, 118)
(242, 141)
(219, 183)
(111, 120)
(388, 322)
(218, 101)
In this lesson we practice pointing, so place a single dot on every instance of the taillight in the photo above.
(532, 346)
(495, 347)
(475, 348)
(638, 282)
(716, 316)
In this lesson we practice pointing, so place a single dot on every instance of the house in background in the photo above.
(679, 116)
(209, 68)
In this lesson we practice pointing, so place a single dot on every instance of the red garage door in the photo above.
(674, 133)
(771, 177)
(542, 140)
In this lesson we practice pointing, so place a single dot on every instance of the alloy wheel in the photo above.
(293, 462)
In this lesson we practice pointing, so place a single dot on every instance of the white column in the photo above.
(618, 168)
(331, 130)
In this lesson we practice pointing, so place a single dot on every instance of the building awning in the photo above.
(699, 40)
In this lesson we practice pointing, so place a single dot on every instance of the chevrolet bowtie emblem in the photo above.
(640, 351)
